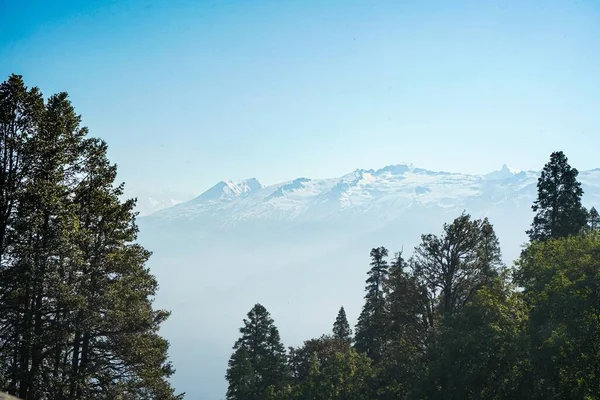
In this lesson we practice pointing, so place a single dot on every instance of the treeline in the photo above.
(76, 315)
(452, 321)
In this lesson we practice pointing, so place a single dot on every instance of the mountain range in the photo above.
(301, 249)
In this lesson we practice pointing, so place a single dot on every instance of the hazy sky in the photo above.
(188, 93)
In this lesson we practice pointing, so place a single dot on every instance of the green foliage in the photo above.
(372, 322)
(561, 283)
(594, 219)
(76, 312)
(333, 370)
(259, 359)
(476, 354)
(341, 327)
(453, 266)
(558, 208)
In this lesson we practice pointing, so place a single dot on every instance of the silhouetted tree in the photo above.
(341, 327)
(456, 264)
(558, 208)
(372, 322)
(262, 362)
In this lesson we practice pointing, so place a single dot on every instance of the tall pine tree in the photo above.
(558, 208)
(259, 360)
(76, 316)
(372, 322)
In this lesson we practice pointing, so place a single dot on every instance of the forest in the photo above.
(452, 320)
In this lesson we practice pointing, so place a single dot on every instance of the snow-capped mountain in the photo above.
(382, 194)
(301, 249)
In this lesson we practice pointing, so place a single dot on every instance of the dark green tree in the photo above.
(372, 323)
(561, 285)
(558, 208)
(76, 316)
(452, 267)
(410, 320)
(265, 353)
(477, 353)
(327, 368)
(594, 219)
(341, 327)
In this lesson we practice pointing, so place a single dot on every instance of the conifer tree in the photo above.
(262, 362)
(558, 208)
(76, 316)
(372, 322)
(410, 318)
(594, 219)
(341, 327)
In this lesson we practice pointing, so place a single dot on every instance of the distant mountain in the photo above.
(150, 202)
(382, 194)
(301, 248)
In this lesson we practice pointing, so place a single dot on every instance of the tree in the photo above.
(371, 326)
(327, 368)
(594, 219)
(76, 316)
(410, 320)
(477, 353)
(452, 267)
(561, 285)
(263, 361)
(558, 208)
(341, 327)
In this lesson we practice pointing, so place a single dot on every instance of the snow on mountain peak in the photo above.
(228, 190)
(503, 173)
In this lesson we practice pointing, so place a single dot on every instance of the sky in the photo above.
(188, 93)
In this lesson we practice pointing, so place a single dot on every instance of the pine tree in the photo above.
(558, 208)
(372, 322)
(341, 327)
(594, 219)
(266, 358)
(76, 316)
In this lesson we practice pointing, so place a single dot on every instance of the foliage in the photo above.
(558, 208)
(561, 284)
(372, 322)
(341, 327)
(259, 359)
(76, 315)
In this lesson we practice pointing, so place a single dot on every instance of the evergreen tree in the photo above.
(341, 327)
(558, 208)
(410, 320)
(372, 322)
(594, 219)
(264, 359)
(561, 282)
(76, 316)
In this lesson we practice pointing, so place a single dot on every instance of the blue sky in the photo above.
(188, 93)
